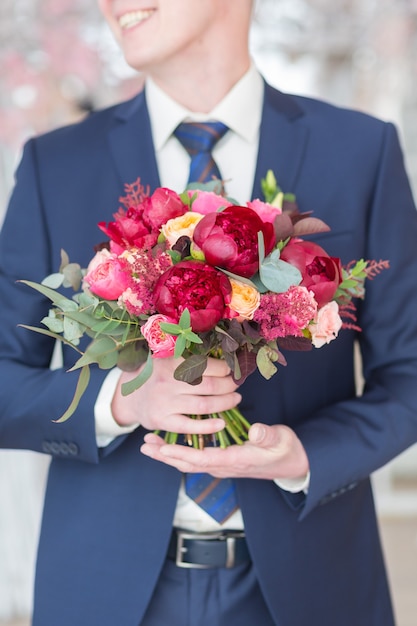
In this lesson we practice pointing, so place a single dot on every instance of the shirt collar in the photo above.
(240, 109)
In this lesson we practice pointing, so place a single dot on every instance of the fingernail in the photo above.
(259, 433)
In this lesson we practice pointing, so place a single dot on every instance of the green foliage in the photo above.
(185, 336)
(144, 375)
(83, 380)
(270, 187)
(353, 279)
(278, 275)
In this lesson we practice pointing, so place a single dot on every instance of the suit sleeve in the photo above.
(349, 440)
(31, 394)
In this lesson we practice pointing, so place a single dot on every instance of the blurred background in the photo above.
(58, 61)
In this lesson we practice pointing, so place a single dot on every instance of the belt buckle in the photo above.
(228, 538)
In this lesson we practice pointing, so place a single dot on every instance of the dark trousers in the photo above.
(207, 597)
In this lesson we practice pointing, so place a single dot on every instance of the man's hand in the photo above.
(272, 452)
(164, 403)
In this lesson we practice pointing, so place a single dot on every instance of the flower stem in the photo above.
(235, 431)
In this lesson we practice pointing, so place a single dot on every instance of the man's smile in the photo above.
(133, 18)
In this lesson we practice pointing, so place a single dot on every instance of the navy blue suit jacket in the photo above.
(108, 513)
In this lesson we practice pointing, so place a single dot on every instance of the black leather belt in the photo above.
(204, 550)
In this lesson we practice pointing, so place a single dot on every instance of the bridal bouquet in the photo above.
(194, 275)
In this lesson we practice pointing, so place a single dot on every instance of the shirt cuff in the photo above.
(107, 428)
(294, 485)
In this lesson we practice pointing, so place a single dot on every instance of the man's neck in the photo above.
(202, 89)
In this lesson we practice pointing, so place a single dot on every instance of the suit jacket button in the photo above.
(55, 447)
(64, 449)
(73, 449)
(46, 447)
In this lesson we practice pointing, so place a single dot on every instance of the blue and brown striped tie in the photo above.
(214, 495)
(199, 139)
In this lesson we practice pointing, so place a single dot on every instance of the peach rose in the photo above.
(160, 343)
(326, 326)
(245, 299)
(181, 226)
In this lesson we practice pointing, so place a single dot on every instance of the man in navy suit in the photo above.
(303, 548)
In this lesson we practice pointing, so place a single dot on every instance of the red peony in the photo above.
(322, 274)
(140, 224)
(163, 205)
(229, 239)
(195, 286)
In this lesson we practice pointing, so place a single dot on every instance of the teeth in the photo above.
(134, 17)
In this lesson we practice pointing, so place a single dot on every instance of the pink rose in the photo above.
(195, 286)
(266, 211)
(326, 326)
(322, 274)
(229, 239)
(207, 201)
(107, 275)
(162, 344)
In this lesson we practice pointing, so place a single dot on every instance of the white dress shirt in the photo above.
(236, 155)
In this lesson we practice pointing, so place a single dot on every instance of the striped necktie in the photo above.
(214, 495)
(198, 139)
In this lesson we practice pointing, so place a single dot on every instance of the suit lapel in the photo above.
(283, 139)
(282, 142)
(134, 158)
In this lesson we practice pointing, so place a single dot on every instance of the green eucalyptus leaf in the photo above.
(87, 317)
(58, 299)
(64, 260)
(214, 185)
(125, 334)
(54, 281)
(115, 328)
(261, 247)
(54, 323)
(102, 351)
(140, 379)
(240, 279)
(83, 380)
(73, 276)
(265, 359)
(278, 275)
(86, 300)
(72, 330)
(258, 284)
(49, 333)
(132, 356)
